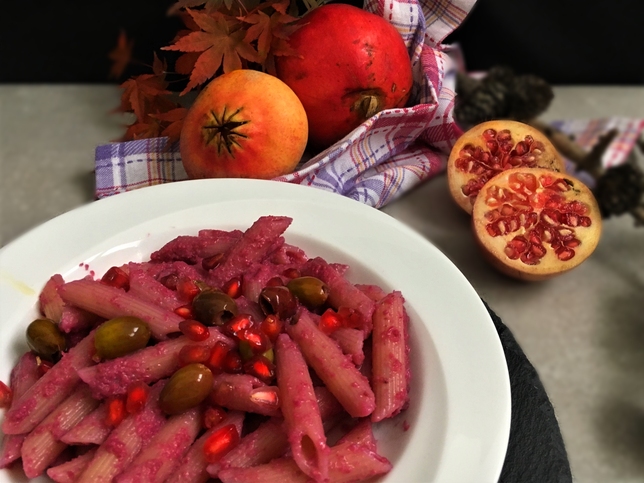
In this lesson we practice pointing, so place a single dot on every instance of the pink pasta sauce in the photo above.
(166, 400)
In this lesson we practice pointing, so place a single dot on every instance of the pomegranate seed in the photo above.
(187, 289)
(220, 442)
(238, 323)
(257, 341)
(116, 277)
(275, 282)
(137, 396)
(6, 394)
(170, 281)
(215, 361)
(212, 416)
(232, 287)
(209, 263)
(271, 326)
(266, 395)
(115, 411)
(194, 330)
(291, 273)
(184, 311)
(44, 366)
(193, 353)
(232, 363)
(329, 322)
(260, 367)
(350, 318)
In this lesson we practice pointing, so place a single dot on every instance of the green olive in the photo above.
(121, 336)
(45, 338)
(187, 388)
(247, 353)
(213, 308)
(310, 291)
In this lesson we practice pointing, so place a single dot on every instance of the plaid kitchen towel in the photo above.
(384, 157)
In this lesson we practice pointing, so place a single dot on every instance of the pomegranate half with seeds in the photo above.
(491, 147)
(534, 223)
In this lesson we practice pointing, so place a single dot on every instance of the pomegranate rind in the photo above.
(549, 158)
(578, 202)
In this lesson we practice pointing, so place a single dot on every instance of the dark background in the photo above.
(563, 41)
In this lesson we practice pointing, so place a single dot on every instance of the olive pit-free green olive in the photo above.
(211, 307)
(121, 336)
(310, 291)
(45, 338)
(188, 387)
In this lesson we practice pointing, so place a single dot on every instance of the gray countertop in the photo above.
(583, 331)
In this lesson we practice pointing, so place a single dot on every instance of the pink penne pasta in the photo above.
(51, 305)
(162, 456)
(92, 429)
(301, 413)
(390, 365)
(361, 433)
(242, 392)
(191, 248)
(150, 364)
(263, 236)
(281, 470)
(288, 255)
(42, 446)
(374, 292)
(69, 471)
(342, 293)
(146, 287)
(339, 374)
(110, 302)
(50, 390)
(73, 319)
(23, 376)
(267, 442)
(126, 441)
(193, 465)
(351, 342)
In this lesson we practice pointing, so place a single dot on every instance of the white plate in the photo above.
(456, 428)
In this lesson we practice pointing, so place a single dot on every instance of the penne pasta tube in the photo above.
(42, 446)
(189, 248)
(125, 441)
(50, 390)
(146, 287)
(301, 412)
(337, 371)
(162, 456)
(282, 470)
(51, 305)
(69, 471)
(351, 342)
(390, 365)
(193, 465)
(150, 364)
(242, 392)
(92, 429)
(110, 302)
(73, 319)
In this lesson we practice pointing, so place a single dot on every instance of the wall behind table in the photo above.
(564, 41)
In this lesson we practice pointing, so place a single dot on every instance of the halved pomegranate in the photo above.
(534, 223)
(491, 147)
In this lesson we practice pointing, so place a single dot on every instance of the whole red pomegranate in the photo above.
(350, 64)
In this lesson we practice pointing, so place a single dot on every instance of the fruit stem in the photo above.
(369, 103)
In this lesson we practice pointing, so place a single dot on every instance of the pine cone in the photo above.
(619, 190)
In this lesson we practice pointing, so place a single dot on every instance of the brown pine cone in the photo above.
(619, 190)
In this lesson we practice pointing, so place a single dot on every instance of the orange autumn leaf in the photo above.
(218, 42)
(145, 93)
(268, 29)
(173, 122)
(150, 128)
(121, 55)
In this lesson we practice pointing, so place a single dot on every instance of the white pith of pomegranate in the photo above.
(492, 147)
(534, 223)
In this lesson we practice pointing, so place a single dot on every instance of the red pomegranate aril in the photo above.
(272, 326)
(137, 396)
(350, 318)
(292, 273)
(187, 289)
(275, 282)
(209, 263)
(116, 277)
(44, 366)
(260, 367)
(232, 363)
(217, 356)
(329, 322)
(6, 394)
(220, 442)
(184, 311)
(232, 287)
(212, 416)
(238, 323)
(194, 330)
(267, 396)
(115, 411)
(257, 341)
(193, 353)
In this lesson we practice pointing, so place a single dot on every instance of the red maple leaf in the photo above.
(145, 93)
(121, 55)
(172, 122)
(221, 43)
